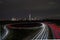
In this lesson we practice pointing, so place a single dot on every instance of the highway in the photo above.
(41, 35)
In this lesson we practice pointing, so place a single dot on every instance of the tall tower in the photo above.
(29, 16)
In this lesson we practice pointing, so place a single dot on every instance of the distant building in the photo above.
(13, 19)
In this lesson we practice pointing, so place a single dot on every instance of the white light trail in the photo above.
(43, 33)
(6, 31)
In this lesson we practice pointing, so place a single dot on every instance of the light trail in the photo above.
(6, 31)
(43, 26)
(43, 33)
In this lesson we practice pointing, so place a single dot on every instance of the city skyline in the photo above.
(22, 8)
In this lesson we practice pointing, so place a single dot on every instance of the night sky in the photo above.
(22, 8)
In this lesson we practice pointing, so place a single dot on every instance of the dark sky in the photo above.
(22, 8)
